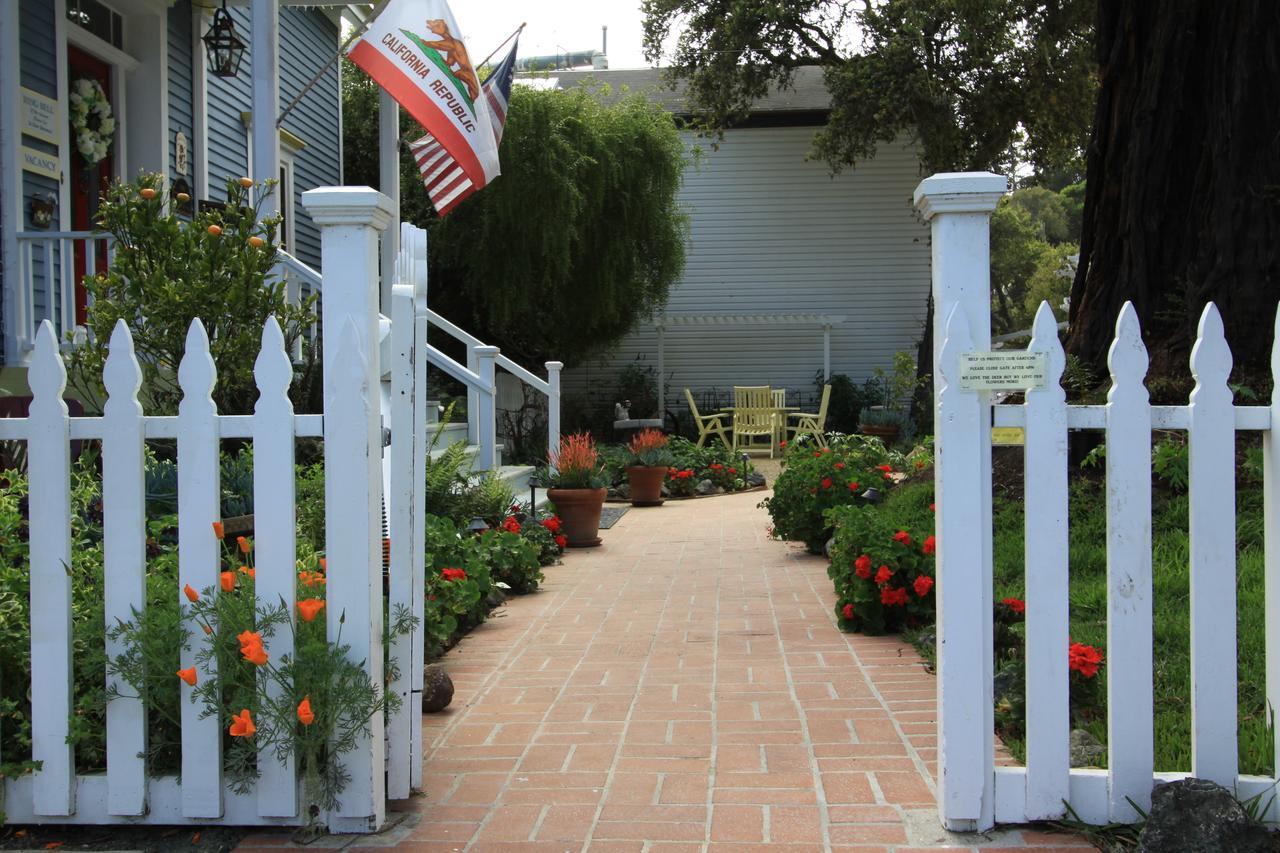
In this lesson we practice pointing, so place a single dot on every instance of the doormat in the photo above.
(609, 515)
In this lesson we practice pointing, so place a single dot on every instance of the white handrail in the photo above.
(523, 375)
(457, 371)
(456, 331)
(310, 275)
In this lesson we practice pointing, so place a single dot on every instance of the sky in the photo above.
(554, 26)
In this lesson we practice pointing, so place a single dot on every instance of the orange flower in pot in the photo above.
(648, 466)
(575, 483)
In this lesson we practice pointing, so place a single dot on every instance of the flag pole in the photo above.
(325, 70)
(519, 30)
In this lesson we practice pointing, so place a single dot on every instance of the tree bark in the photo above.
(1182, 202)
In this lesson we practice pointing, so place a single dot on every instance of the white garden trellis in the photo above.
(972, 792)
(350, 219)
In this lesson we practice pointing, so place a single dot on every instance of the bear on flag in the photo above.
(413, 52)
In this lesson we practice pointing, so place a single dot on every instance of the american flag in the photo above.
(446, 183)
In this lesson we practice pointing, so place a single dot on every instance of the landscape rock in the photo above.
(666, 493)
(1199, 816)
(755, 478)
(1085, 749)
(624, 491)
(705, 487)
(437, 688)
(826, 549)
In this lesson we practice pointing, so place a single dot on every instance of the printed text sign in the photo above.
(1012, 371)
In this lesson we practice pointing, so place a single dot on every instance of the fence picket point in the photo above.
(1130, 734)
(275, 544)
(124, 527)
(49, 464)
(1046, 543)
(199, 563)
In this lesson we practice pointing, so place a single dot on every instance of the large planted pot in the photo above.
(579, 511)
(646, 484)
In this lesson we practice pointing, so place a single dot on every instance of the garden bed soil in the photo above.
(627, 501)
(145, 839)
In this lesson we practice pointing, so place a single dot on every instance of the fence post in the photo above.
(553, 404)
(958, 207)
(487, 411)
(350, 219)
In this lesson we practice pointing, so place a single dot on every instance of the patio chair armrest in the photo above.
(801, 415)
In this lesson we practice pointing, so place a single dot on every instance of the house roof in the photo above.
(807, 94)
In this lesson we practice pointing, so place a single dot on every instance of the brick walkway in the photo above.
(683, 687)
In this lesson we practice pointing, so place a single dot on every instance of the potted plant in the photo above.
(576, 484)
(881, 422)
(889, 420)
(647, 467)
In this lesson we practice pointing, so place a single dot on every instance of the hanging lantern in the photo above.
(224, 47)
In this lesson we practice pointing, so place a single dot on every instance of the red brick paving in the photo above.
(683, 687)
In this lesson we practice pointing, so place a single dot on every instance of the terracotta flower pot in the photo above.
(646, 484)
(579, 511)
(888, 433)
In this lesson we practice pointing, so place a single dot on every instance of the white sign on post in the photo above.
(1017, 370)
(39, 116)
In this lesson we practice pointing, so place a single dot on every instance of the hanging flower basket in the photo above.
(91, 120)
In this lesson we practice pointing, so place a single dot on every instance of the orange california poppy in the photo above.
(243, 543)
(242, 724)
(309, 607)
(324, 566)
(188, 675)
(250, 571)
(190, 593)
(207, 630)
(254, 653)
(305, 715)
(218, 530)
(228, 580)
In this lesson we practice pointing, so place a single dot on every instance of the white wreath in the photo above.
(91, 119)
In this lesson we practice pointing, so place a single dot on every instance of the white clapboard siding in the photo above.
(774, 233)
(124, 528)
(275, 543)
(49, 461)
(1045, 463)
(963, 735)
(1212, 458)
(199, 562)
(1130, 737)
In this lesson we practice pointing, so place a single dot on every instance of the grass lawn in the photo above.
(1172, 640)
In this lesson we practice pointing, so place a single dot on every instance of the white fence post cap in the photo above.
(349, 206)
(959, 192)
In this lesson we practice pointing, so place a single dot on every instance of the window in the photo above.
(98, 19)
(284, 197)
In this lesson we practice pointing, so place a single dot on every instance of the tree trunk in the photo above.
(1182, 202)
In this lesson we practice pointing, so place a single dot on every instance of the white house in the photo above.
(779, 248)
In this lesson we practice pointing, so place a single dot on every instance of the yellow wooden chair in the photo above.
(754, 417)
(806, 423)
(707, 424)
(779, 417)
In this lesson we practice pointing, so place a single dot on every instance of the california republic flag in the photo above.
(413, 51)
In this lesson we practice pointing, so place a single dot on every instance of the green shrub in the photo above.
(814, 480)
(883, 570)
(512, 560)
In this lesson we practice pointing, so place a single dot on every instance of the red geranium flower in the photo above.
(930, 545)
(733, 470)
(847, 611)
(453, 574)
(923, 584)
(885, 468)
(862, 567)
(826, 482)
(883, 575)
(931, 508)
(782, 445)
(892, 596)
(1017, 605)
(1084, 659)
(839, 466)
(510, 524)
(552, 524)
(561, 540)
(902, 536)
(853, 487)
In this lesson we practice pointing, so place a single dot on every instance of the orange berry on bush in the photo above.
(246, 182)
(215, 230)
(257, 242)
(147, 193)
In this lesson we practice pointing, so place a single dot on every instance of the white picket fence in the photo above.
(972, 792)
(350, 219)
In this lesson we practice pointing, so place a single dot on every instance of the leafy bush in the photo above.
(512, 559)
(814, 480)
(883, 573)
(545, 534)
(166, 272)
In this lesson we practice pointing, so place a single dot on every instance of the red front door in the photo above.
(88, 182)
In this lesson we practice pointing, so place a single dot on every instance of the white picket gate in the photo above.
(350, 219)
(972, 792)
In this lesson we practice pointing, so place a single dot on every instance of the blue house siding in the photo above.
(180, 93)
(39, 73)
(226, 99)
(308, 40)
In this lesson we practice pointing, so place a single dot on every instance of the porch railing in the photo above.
(46, 286)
